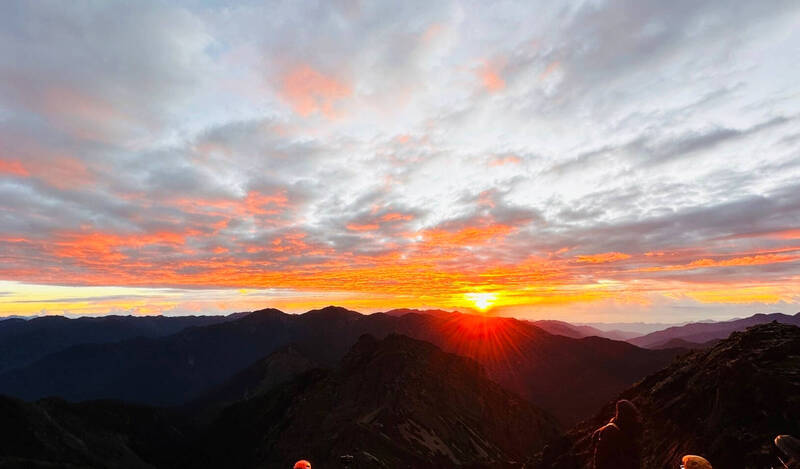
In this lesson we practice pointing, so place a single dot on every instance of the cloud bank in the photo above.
(634, 159)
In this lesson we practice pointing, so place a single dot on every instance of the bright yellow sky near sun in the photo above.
(566, 302)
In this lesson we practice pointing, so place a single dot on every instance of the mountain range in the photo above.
(702, 334)
(405, 389)
(568, 377)
(23, 341)
(578, 331)
(396, 402)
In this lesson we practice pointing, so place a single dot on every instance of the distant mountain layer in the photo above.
(277, 368)
(568, 377)
(24, 341)
(578, 331)
(685, 344)
(637, 328)
(702, 332)
(397, 402)
(726, 403)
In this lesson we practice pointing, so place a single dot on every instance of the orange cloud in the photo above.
(257, 203)
(491, 78)
(35, 158)
(504, 160)
(603, 258)
(105, 247)
(439, 238)
(266, 208)
(791, 233)
(13, 168)
(759, 259)
(394, 216)
(786, 234)
(64, 172)
(363, 227)
(309, 91)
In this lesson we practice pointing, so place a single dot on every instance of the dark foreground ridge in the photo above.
(726, 403)
(53, 433)
(396, 402)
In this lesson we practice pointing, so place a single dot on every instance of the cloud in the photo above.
(602, 258)
(611, 153)
(309, 91)
(491, 78)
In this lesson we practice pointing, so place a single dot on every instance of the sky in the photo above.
(631, 160)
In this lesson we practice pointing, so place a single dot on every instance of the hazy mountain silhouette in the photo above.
(24, 341)
(702, 332)
(396, 402)
(404, 311)
(680, 343)
(568, 377)
(726, 403)
(579, 331)
(637, 328)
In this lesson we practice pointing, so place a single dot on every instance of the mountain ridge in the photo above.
(393, 402)
(726, 403)
(701, 332)
(172, 370)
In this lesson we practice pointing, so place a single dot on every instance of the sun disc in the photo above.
(482, 300)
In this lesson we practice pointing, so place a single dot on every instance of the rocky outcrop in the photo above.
(726, 403)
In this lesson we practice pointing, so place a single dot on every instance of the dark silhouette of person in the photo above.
(616, 444)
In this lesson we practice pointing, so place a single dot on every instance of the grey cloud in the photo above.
(654, 149)
(695, 141)
(677, 228)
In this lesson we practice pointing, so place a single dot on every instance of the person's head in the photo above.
(627, 413)
(690, 461)
(302, 464)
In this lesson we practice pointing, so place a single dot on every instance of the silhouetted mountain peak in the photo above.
(266, 313)
(332, 313)
(395, 402)
(402, 354)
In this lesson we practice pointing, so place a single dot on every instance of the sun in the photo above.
(482, 301)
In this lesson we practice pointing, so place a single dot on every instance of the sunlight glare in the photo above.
(482, 301)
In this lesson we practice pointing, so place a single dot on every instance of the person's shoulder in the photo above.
(607, 431)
